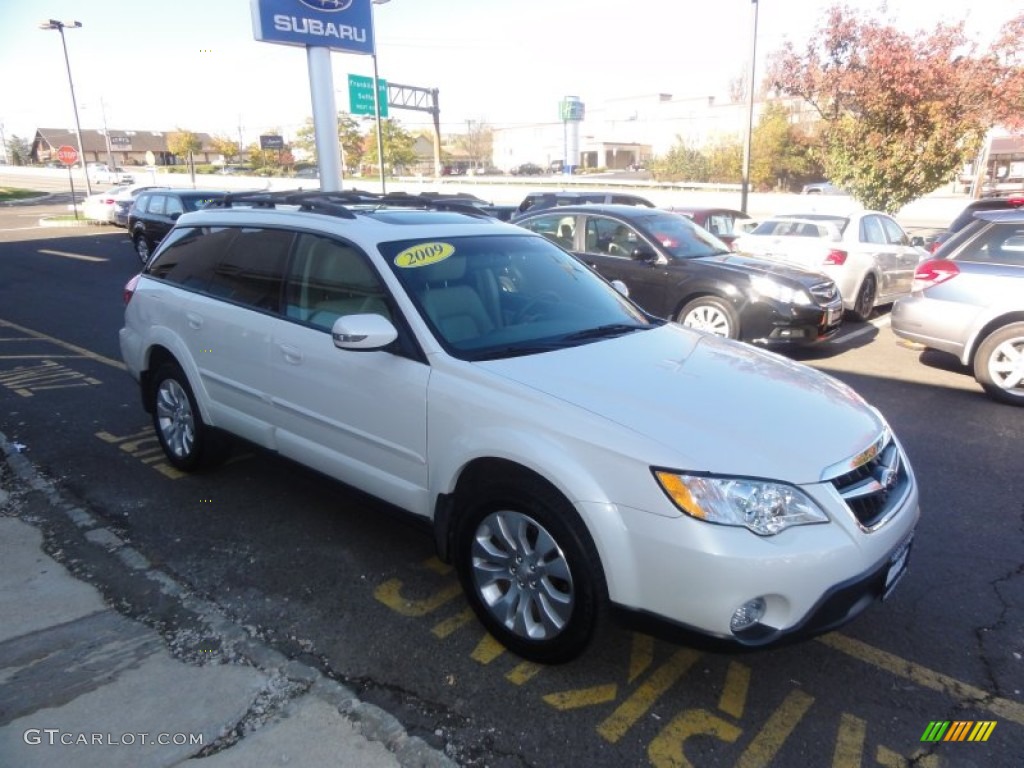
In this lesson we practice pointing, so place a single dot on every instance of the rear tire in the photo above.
(529, 569)
(864, 306)
(999, 364)
(143, 248)
(189, 443)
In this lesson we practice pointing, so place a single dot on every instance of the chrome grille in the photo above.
(875, 488)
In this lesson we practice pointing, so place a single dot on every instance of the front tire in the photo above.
(999, 364)
(711, 314)
(529, 569)
(189, 443)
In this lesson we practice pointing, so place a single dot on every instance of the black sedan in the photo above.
(678, 270)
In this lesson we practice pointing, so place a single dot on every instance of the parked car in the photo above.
(969, 301)
(723, 223)
(111, 206)
(538, 200)
(572, 453)
(822, 188)
(966, 216)
(868, 254)
(154, 212)
(528, 169)
(101, 173)
(677, 270)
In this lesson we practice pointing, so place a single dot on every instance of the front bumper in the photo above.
(774, 323)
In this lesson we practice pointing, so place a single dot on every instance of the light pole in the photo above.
(745, 185)
(376, 106)
(59, 26)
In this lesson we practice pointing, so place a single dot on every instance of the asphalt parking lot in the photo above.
(327, 576)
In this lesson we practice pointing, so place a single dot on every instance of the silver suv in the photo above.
(969, 301)
(572, 452)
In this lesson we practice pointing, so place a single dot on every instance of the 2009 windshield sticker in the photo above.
(424, 254)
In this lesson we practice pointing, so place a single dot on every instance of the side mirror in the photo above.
(363, 332)
(644, 253)
(917, 241)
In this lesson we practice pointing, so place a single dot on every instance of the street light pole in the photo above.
(376, 105)
(745, 185)
(59, 26)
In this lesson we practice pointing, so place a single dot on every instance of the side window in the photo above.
(871, 230)
(998, 244)
(251, 270)
(328, 279)
(610, 237)
(719, 224)
(156, 204)
(894, 232)
(557, 228)
(172, 205)
(141, 203)
(190, 257)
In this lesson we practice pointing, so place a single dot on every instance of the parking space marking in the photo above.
(870, 327)
(853, 732)
(80, 351)
(766, 744)
(68, 255)
(144, 446)
(26, 381)
(925, 677)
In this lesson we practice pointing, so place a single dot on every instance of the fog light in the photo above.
(747, 614)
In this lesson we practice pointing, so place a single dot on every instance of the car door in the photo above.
(359, 416)
(877, 254)
(907, 256)
(619, 251)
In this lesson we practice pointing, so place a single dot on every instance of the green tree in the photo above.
(398, 146)
(19, 150)
(183, 144)
(349, 136)
(900, 113)
(226, 146)
(270, 162)
(683, 162)
(725, 162)
(780, 154)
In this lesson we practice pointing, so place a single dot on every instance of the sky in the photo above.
(194, 64)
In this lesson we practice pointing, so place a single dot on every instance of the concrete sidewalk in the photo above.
(83, 685)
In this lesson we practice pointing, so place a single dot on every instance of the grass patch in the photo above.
(13, 193)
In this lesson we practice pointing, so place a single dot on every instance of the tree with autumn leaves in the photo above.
(901, 113)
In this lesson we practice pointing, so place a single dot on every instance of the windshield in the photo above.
(679, 236)
(504, 295)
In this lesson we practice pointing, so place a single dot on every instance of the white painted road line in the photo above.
(67, 255)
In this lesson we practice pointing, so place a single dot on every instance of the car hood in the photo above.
(720, 406)
(745, 263)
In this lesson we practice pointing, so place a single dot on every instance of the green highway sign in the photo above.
(360, 95)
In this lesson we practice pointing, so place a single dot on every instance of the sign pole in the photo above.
(74, 204)
(380, 132)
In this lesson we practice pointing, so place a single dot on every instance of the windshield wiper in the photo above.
(516, 350)
(604, 331)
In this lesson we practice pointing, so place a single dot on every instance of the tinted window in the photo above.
(142, 203)
(678, 236)
(1000, 243)
(328, 279)
(156, 205)
(172, 205)
(556, 227)
(242, 265)
(611, 237)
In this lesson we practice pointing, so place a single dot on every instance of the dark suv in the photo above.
(155, 211)
(680, 271)
(966, 216)
(537, 200)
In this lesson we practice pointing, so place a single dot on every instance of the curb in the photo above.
(298, 681)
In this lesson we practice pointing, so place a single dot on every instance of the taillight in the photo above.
(129, 288)
(836, 257)
(108, 201)
(932, 273)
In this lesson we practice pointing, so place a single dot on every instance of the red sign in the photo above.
(67, 155)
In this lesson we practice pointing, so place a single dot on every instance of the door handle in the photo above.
(195, 322)
(291, 354)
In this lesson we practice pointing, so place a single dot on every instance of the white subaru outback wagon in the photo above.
(577, 457)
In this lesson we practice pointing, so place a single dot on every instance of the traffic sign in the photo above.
(67, 155)
(360, 95)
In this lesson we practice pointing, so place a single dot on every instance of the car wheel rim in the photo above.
(174, 418)
(866, 298)
(1006, 366)
(708, 318)
(142, 247)
(522, 575)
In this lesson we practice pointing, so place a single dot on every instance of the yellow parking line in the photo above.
(67, 255)
(925, 677)
(79, 350)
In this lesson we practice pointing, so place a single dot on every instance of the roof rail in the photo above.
(339, 203)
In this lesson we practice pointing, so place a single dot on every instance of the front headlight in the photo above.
(764, 507)
(770, 289)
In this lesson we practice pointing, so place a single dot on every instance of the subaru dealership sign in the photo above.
(342, 25)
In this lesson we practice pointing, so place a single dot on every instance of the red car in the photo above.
(721, 222)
